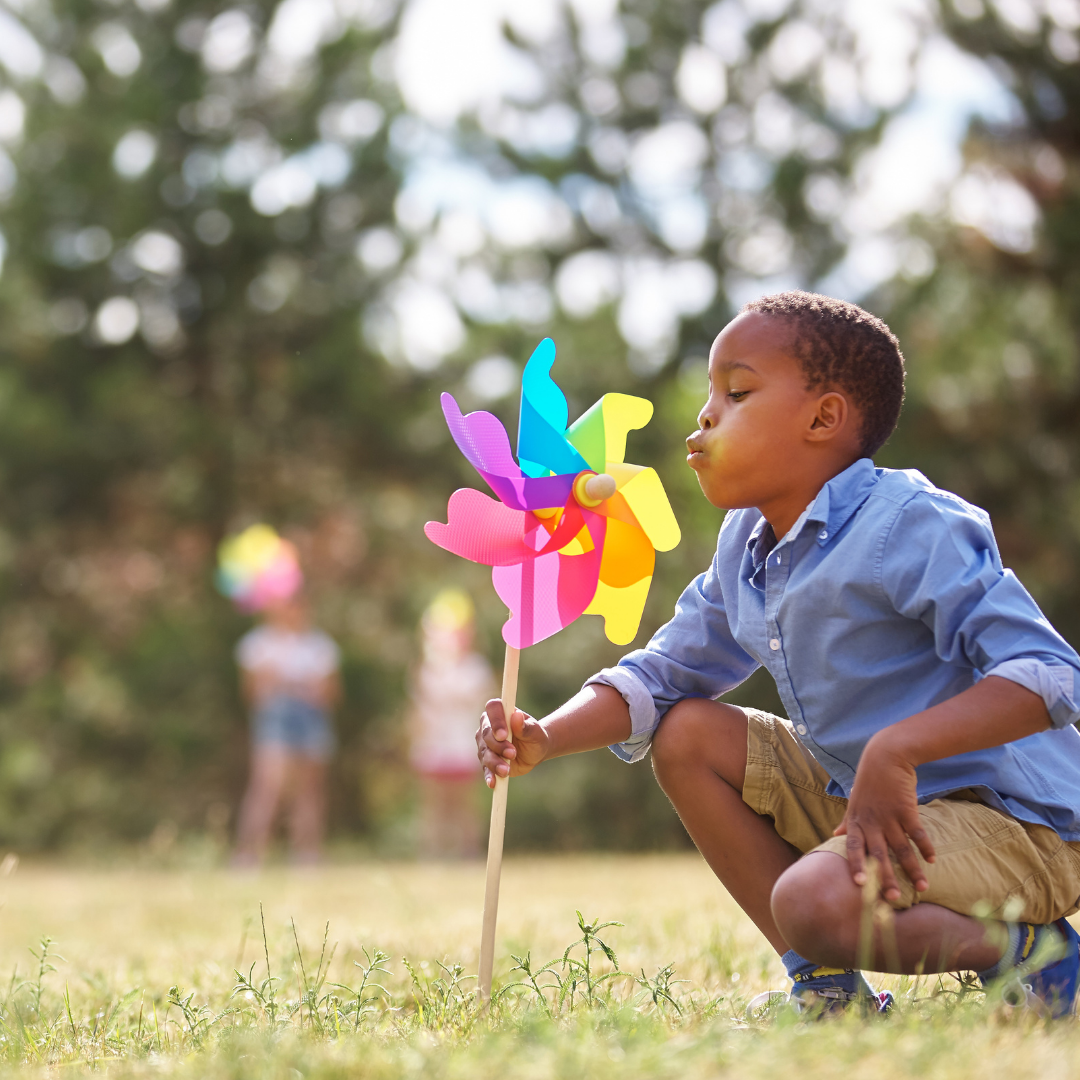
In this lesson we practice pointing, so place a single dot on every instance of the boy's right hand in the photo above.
(500, 756)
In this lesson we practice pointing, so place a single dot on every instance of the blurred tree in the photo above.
(185, 192)
(240, 266)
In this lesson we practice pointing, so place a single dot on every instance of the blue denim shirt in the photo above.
(886, 597)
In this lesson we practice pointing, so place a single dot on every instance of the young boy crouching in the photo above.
(930, 702)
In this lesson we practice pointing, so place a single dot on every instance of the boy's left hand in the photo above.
(883, 816)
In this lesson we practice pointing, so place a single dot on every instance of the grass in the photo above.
(365, 971)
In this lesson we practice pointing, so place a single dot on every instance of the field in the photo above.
(139, 979)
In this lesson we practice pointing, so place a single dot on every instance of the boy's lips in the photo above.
(696, 452)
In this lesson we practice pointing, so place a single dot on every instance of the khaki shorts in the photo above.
(986, 860)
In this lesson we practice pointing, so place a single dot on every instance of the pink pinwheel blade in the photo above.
(481, 437)
(482, 530)
(570, 524)
(549, 592)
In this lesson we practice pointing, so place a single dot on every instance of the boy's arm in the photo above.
(940, 565)
(692, 655)
(882, 812)
(596, 716)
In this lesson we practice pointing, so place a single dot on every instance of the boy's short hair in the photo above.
(839, 345)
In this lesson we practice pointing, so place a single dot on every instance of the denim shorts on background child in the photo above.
(294, 724)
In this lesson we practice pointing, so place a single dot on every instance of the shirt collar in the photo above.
(831, 508)
(841, 497)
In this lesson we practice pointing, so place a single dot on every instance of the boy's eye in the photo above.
(737, 395)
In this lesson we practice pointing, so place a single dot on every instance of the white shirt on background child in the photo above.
(298, 659)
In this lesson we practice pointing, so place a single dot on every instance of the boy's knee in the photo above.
(674, 739)
(812, 906)
(695, 732)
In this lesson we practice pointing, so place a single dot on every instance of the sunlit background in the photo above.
(245, 248)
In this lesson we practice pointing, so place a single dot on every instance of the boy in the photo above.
(929, 751)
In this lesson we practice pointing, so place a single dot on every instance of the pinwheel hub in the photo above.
(591, 489)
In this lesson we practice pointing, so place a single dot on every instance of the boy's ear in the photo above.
(831, 416)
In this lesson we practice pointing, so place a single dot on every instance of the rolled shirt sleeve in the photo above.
(693, 655)
(952, 579)
(643, 718)
(1054, 682)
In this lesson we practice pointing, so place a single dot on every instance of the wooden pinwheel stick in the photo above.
(495, 835)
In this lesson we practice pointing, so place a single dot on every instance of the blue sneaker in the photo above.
(825, 997)
(1055, 986)
(1050, 991)
(825, 1000)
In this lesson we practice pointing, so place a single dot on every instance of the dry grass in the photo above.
(163, 925)
(129, 936)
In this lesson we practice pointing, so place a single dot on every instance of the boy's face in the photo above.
(751, 443)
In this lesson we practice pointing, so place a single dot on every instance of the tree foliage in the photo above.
(239, 270)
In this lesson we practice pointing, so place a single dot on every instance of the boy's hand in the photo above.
(883, 815)
(497, 754)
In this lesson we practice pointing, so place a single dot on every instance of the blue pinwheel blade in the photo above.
(542, 444)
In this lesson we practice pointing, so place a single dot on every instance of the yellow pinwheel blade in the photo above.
(599, 435)
(626, 570)
(645, 495)
(622, 414)
(628, 556)
(621, 609)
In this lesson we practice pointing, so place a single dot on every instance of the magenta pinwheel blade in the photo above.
(482, 530)
(548, 593)
(481, 437)
(570, 524)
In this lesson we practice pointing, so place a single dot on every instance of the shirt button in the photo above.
(823, 535)
(801, 729)
(774, 644)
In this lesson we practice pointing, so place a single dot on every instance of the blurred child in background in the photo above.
(290, 680)
(452, 682)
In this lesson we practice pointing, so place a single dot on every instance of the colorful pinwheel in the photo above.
(564, 540)
(575, 533)
(257, 568)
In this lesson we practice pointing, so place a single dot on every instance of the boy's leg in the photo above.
(985, 859)
(699, 756)
(822, 913)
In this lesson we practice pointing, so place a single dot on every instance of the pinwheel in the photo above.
(574, 531)
(257, 568)
(577, 528)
